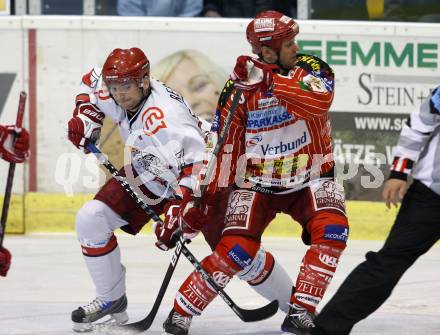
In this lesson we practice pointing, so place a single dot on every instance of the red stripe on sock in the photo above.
(96, 252)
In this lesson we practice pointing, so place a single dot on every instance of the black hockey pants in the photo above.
(415, 231)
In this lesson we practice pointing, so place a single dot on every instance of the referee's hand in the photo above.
(393, 191)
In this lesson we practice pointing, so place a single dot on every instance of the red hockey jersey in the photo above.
(277, 141)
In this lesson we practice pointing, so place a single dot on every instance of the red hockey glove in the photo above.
(240, 72)
(16, 152)
(191, 219)
(252, 74)
(5, 261)
(166, 231)
(85, 125)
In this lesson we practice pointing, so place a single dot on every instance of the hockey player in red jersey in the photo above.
(276, 158)
(14, 153)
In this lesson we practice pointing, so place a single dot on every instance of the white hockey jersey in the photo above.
(165, 139)
(419, 145)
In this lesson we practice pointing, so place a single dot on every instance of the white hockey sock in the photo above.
(277, 286)
(95, 223)
(108, 275)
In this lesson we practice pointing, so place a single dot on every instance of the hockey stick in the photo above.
(10, 180)
(220, 139)
(246, 315)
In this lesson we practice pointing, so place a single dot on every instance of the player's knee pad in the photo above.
(257, 271)
(94, 233)
(242, 255)
(329, 228)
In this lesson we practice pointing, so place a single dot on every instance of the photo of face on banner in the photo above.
(195, 76)
(4, 7)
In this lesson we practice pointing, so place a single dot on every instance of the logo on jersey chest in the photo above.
(284, 147)
(267, 102)
(152, 120)
(267, 118)
(285, 141)
(254, 140)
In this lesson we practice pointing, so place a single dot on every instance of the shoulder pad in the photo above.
(314, 65)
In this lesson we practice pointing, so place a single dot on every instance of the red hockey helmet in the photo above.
(270, 28)
(125, 64)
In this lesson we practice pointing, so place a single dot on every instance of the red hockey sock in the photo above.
(329, 232)
(232, 254)
(316, 272)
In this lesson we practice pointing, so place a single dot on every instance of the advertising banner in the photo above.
(380, 79)
(383, 71)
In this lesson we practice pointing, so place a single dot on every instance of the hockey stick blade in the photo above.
(246, 315)
(259, 314)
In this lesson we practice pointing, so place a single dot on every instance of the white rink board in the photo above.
(48, 279)
(408, 54)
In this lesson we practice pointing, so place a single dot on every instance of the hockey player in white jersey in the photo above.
(164, 139)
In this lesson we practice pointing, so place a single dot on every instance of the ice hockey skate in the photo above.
(177, 324)
(298, 321)
(84, 317)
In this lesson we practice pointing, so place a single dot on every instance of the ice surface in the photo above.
(48, 279)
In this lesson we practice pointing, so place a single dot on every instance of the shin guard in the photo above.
(232, 254)
(329, 232)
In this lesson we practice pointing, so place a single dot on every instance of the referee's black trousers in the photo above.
(415, 231)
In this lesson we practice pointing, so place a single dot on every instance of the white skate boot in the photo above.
(83, 317)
